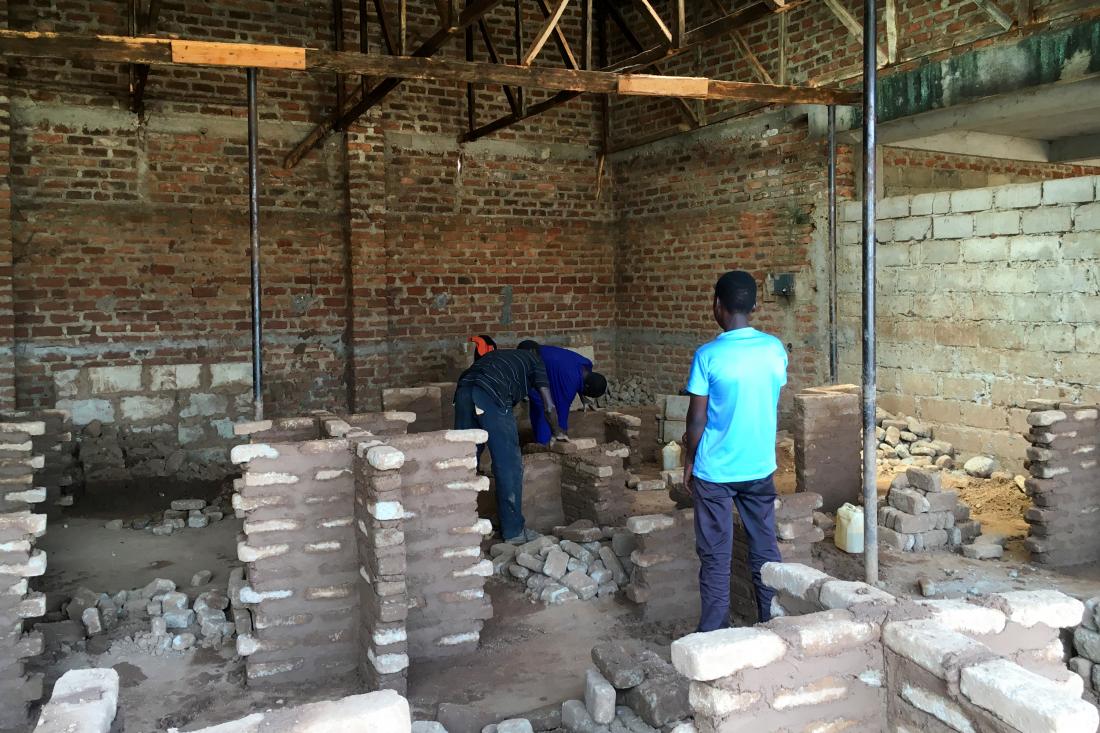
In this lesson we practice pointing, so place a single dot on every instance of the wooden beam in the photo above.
(994, 11)
(758, 69)
(655, 20)
(208, 53)
(890, 12)
(402, 27)
(855, 28)
(587, 19)
(543, 34)
(392, 42)
(567, 55)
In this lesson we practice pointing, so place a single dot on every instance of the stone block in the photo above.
(1050, 607)
(619, 663)
(1018, 197)
(975, 199)
(957, 226)
(1087, 219)
(712, 655)
(237, 374)
(114, 379)
(83, 700)
(1048, 219)
(87, 411)
(599, 697)
(791, 578)
(1069, 191)
(928, 644)
(845, 594)
(1025, 700)
(139, 407)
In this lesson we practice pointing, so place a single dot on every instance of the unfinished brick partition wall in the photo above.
(363, 550)
(1064, 463)
(859, 659)
(19, 561)
(991, 307)
(828, 429)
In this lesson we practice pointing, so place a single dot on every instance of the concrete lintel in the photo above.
(982, 144)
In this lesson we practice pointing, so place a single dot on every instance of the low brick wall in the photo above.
(593, 482)
(156, 420)
(827, 443)
(1064, 485)
(665, 576)
(872, 663)
(19, 560)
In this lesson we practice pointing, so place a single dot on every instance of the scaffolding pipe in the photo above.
(870, 442)
(833, 358)
(254, 240)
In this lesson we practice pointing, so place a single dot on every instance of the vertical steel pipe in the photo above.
(254, 239)
(833, 348)
(870, 376)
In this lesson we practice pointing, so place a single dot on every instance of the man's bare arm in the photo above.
(696, 422)
(551, 414)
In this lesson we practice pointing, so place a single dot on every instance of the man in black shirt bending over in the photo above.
(484, 398)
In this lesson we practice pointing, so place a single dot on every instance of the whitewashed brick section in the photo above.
(1050, 607)
(83, 701)
(1025, 700)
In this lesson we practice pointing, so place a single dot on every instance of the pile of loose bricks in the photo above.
(860, 659)
(362, 547)
(920, 515)
(20, 560)
(827, 428)
(86, 700)
(1064, 485)
(907, 440)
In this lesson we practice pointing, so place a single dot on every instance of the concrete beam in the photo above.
(1078, 149)
(982, 144)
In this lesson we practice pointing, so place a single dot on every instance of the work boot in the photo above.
(523, 537)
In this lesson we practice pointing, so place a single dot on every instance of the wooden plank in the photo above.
(110, 49)
(212, 53)
(544, 33)
(758, 69)
(994, 11)
(402, 27)
(664, 86)
(778, 93)
(855, 28)
(890, 12)
(655, 20)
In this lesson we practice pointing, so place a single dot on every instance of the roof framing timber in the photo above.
(175, 52)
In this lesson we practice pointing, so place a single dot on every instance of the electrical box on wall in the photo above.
(781, 285)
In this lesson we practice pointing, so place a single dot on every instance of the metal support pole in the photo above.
(833, 359)
(870, 443)
(254, 238)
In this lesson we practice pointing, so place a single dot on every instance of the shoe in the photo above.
(523, 537)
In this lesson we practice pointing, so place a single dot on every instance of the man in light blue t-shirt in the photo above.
(730, 446)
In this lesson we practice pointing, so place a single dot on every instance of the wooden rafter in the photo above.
(855, 28)
(644, 59)
(490, 47)
(679, 22)
(654, 19)
(544, 33)
(567, 55)
(758, 69)
(364, 99)
(145, 24)
(994, 11)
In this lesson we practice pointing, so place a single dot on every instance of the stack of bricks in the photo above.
(422, 575)
(665, 580)
(796, 533)
(827, 430)
(19, 560)
(920, 515)
(672, 419)
(593, 482)
(1065, 482)
(383, 582)
(299, 549)
(57, 448)
(626, 429)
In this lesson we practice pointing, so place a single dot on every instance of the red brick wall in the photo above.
(7, 316)
(379, 256)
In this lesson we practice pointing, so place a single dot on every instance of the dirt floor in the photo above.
(532, 655)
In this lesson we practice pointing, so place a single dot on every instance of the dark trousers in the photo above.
(714, 503)
(500, 424)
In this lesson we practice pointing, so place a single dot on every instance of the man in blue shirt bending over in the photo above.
(730, 446)
(570, 376)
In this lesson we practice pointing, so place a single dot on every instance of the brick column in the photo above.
(7, 311)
